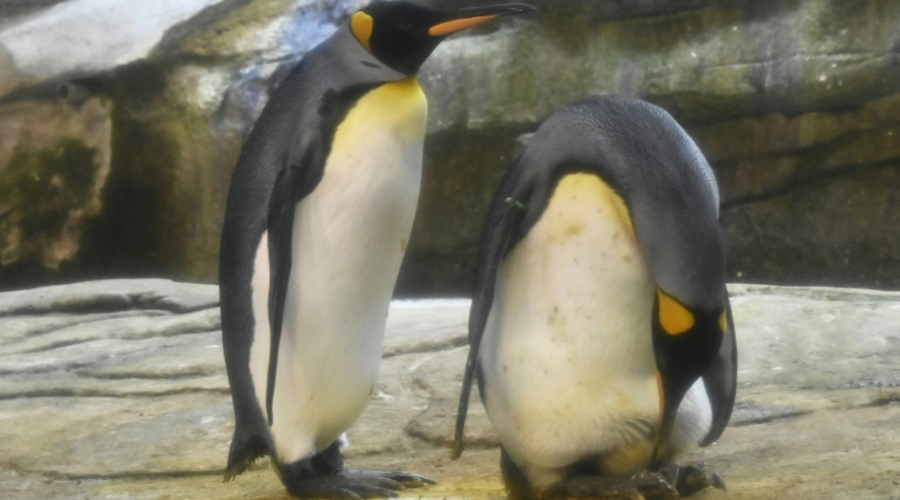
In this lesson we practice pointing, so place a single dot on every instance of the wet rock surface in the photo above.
(117, 390)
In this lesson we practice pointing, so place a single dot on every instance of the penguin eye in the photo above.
(674, 318)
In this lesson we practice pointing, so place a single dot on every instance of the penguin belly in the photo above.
(567, 358)
(349, 237)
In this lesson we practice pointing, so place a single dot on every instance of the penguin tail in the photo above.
(246, 448)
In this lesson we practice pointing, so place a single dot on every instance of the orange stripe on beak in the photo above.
(455, 25)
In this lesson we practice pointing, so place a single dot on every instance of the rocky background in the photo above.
(120, 122)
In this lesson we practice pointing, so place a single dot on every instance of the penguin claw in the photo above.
(690, 479)
(318, 488)
(366, 491)
(644, 486)
(672, 481)
(402, 479)
(343, 487)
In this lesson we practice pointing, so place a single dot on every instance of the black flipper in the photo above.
(246, 448)
(504, 217)
(721, 381)
(281, 222)
(305, 166)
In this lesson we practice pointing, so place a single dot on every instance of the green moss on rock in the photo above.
(39, 188)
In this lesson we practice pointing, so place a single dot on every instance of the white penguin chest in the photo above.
(567, 354)
(370, 186)
(349, 237)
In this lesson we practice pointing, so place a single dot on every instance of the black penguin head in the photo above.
(402, 34)
(686, 341)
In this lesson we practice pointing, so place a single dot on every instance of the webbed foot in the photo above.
(324, 476)
(644, 486)
(404, 479)
(356, 484)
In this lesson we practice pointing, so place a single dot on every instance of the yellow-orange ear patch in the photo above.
(723, 321)
(362, 24)
(674, 318)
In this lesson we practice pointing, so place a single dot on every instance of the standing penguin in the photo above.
(319, 210)
(600, 327)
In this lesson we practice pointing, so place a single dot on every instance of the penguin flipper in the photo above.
(721, 381)
(246, 448)
(281, 221)
(303, 168)
(293, 182)
(504, 216)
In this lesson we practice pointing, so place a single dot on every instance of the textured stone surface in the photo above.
(63, 40)
(795, 102)
(116, 390)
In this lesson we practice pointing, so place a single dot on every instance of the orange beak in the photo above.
(477, 16)
(455, 25)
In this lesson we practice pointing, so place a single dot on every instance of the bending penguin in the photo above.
(320, 207)
(600, 329)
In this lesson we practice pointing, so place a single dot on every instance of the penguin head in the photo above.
(686, 340)
(402, 34)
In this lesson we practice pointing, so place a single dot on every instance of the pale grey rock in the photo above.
(154, 324)
(110, 295)
(92, 36)
(413, 326)
(806, 343)
(143, 412)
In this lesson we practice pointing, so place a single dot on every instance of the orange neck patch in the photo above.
(674, 318)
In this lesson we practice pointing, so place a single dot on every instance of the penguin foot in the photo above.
(356, 485)
(690, 479)
(644, 486)
(405, 479)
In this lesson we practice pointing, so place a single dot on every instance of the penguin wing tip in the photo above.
(708, 441)
(457, 450)
(238, 464)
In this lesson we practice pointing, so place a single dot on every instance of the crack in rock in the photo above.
(110, 296)
(94, 393)
(56, 475)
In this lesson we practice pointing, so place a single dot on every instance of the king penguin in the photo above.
(600, 330)
(319, 210)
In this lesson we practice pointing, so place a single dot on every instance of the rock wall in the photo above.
(120, 124)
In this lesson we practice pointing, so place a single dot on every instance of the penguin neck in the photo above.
(354, 62)
(399, 108)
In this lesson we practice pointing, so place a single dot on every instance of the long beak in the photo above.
(477, 15)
